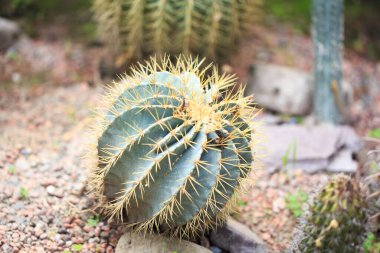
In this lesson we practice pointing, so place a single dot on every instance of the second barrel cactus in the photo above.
(172, 148)
(136, 28)
(336, 221)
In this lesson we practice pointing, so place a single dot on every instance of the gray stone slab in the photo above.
(310, 148)
(132, 242)
(235, 237)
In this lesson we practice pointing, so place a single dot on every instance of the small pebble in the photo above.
(38, 232)
(104, 234)
(215, 249)
(109, 249)
(52, 191)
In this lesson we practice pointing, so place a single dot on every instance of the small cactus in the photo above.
(336, 221)
(172, 147)
(372, 169)
(133, 29)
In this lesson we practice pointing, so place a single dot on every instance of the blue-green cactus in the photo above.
(172, 148)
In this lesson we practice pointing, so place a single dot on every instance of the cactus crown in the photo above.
(134, 28)
(172, 147)
(336, 221)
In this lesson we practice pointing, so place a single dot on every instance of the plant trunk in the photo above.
(327, 30)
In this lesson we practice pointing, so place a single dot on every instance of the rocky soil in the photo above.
(43, 206)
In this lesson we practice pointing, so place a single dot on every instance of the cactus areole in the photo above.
(172, 148)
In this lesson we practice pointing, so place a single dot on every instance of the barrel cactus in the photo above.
(136, 28)
(172, 148)
(336, 221)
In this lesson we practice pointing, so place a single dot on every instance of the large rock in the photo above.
(132, 242)
(284, 89)
(9, 33)
(310, 148)
(237, 238)
(281, 89)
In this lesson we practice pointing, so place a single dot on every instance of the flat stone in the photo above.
(343, 162)
(136, 243)
(237, 238)
(281, 89)
(9, 33)
(310, 148)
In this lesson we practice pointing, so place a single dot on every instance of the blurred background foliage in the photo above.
(43, 10)
(362, 21)
(74, 14)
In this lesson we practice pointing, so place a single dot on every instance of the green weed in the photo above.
(93, 221)
(292, 148)
(23, 192)
(295, 201)
(374, 133)
(77, 247)
(370, 246)
(241, 202)
(374, 167)
(11, 169)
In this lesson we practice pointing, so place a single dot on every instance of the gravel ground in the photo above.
(43, 206)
